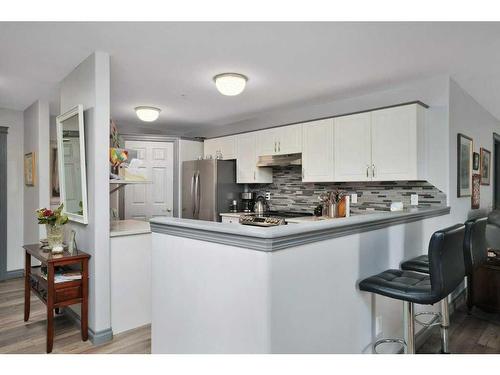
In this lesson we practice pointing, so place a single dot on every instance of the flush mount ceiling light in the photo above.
(148, 114)
(230, 84)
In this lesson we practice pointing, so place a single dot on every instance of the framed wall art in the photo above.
(485, 166)
(464, 165)
(476, 190)
(29, 169)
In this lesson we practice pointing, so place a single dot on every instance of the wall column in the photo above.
(3, 202)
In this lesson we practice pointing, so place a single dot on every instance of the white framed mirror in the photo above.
(72, 164)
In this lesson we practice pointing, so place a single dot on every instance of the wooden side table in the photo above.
(56, 294)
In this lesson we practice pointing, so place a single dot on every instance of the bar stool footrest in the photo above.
(432, 324)
(388, 341)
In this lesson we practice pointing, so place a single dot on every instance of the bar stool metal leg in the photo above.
(445, 323)
(409, 311)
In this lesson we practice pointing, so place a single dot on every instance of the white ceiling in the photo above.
(171, 65)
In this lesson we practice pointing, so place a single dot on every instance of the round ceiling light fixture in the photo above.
(230, 84)
(148, 114)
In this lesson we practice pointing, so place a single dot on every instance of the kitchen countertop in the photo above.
(284, 236)
(128, 228)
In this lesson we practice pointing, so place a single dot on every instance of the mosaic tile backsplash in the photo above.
(289, 193)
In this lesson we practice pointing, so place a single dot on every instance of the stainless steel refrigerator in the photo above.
(208, 188)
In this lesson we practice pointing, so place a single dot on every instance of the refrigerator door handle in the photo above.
(192, 192)
(198, 193)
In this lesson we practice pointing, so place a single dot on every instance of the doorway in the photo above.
(496, 171)
(155, 199)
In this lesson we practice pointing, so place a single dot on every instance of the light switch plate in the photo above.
(354, 198)
(268, 195)
(414, 200)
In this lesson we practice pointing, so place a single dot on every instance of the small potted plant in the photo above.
(54, 221)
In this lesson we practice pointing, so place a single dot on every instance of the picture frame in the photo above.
(475, 161)
(465, 147)
(29, 169)
(476, 191)
(485, 166)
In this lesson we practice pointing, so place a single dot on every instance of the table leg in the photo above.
(50, 307)
(85, 300)
(27, 288)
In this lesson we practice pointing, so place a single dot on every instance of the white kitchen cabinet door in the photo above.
(210, 147)
(353, 147)
(317, 151)
(289, 139)
(225, 145)
(394, 143)
(247, 171)
(267, 143)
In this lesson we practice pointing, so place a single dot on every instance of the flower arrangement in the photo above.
(56, 217)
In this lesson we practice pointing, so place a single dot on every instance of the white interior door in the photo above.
(145, 201)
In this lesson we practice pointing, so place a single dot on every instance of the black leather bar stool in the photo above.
(446, 272)
(474, 250)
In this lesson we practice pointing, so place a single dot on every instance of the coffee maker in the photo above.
(247, 201)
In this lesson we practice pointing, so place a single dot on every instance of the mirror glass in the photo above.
(71, 151)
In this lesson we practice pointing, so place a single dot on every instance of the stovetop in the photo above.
(270, 218)
(287, 214)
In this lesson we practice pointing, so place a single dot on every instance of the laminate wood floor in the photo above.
(476, 333)
(17, 336)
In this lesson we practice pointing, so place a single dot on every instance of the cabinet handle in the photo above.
(279, 146)
(303, 173)
(373, 170)
(367, 168)
(254, 175)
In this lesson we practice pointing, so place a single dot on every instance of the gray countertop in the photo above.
(282, 237)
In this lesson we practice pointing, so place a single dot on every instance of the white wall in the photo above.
(188, 150)
(15, 182)
(36, 139)
(432, 91)
(468, 117)
(88, 84)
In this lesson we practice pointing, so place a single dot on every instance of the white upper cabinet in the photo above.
(247, 171)
(266, 142)
(397, 141)
(317, 151)
(353, 147)
(289, 139)
(225, 145)
(280, 141)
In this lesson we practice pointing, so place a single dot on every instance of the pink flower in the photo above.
(48, 213)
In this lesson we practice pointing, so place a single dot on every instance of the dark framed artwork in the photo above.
(475, 161)
(475, 200)
(485, 166)
(465, 149)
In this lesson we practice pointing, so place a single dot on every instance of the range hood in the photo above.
(279, 160)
